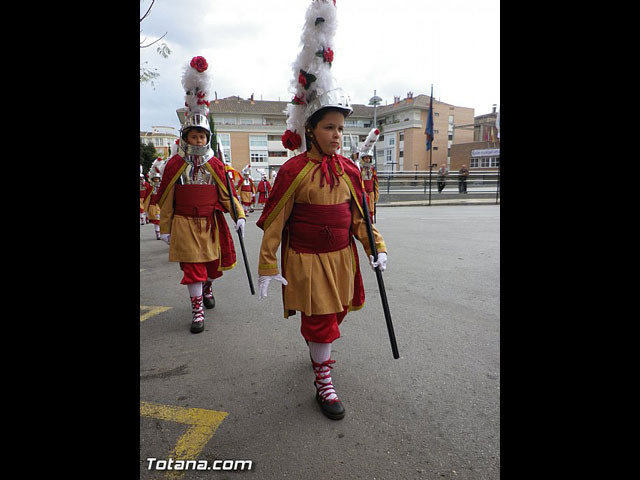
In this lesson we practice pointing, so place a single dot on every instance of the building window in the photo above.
(392, 140)
(224, 139)
(474, 163)
(450, 136)
(258, 140)
(401, 153)
(388, 155)
(259, 157)
(401, 137)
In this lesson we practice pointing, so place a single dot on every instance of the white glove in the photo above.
(382, 261)
(263, 283)
(240, 226)
(165, 237)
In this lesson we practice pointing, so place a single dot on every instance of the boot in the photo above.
(207, 293)
(326, 396)
(197, 323)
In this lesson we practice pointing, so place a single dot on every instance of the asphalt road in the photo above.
(432, 414)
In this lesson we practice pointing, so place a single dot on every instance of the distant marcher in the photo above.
(443, 171)
(462, 179)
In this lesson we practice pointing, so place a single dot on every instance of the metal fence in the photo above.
(478, 184)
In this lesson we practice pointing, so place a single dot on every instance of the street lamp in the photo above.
(375, 100)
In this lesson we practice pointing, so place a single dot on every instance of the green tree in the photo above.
(147, 155)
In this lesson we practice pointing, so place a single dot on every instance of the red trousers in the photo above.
(198, 272)
(322, 328)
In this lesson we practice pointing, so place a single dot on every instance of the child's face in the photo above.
(196, 137)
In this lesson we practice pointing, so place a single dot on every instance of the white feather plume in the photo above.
(320, 27)
(196, 86)
(370, 141)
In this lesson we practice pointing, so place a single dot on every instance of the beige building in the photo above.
(250, 132)
(161, 138)
(483, 154)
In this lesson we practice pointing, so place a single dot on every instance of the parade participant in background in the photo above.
(355, 154)
(193, 197)
(314, 210)
(234, 175)
(247, 190)
(264, 187)
(155, 175)
(145, 191)
(369, 175)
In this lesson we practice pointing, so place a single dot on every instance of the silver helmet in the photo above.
(336, 98)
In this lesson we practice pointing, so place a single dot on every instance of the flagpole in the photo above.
(433, 138)
(430, 168)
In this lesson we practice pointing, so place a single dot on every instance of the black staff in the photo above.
(383, 293)
(235, 219)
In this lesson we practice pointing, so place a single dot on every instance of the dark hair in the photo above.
(315, 119)
(186, 132)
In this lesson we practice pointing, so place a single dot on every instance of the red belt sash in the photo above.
(196, 201)
(320, 228)
(368, 186)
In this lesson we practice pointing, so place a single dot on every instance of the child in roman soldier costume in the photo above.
(193, 197)
(264, 188)
(153, 212)
(369, 176)
(315, 213)
(247, 190)
(145, 191)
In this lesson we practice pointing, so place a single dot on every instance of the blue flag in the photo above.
(429, 130)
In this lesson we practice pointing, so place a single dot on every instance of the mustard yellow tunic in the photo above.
(318, 283)
(190, 241)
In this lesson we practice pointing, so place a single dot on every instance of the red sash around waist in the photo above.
(319, 228)
(196, 201)
(368, 186)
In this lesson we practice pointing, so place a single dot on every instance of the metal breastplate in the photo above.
(196, 172)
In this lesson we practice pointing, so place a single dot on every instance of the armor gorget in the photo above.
(196, 172)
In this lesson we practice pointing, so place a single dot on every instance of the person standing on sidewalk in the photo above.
(443, 171)
(369, 175)
(463, 174)
(314, 213)
(193, 197)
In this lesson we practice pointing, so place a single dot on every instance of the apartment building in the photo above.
(161, 138)
(250, 132)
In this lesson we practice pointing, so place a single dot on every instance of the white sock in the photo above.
(157, 228)
(195, 289)
(320, 352)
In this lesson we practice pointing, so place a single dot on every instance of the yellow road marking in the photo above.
(203, 425)
(151, 311)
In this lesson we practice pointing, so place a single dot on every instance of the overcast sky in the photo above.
(392, 47)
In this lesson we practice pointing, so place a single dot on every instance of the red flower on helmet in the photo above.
(199, 63)
(302, 79)
(291, 140)
(377, 132)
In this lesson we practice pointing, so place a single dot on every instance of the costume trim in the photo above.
(171, 182)
(305, 170)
